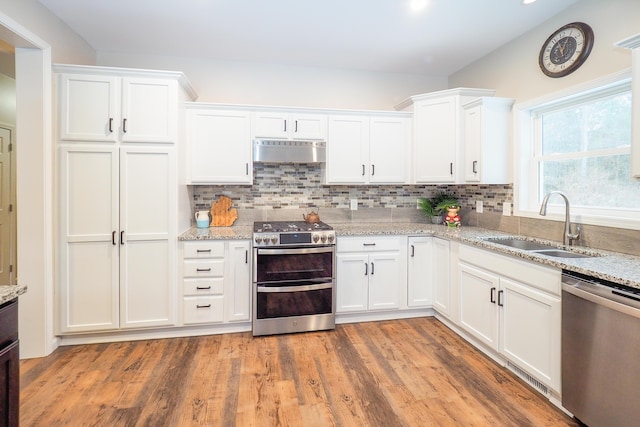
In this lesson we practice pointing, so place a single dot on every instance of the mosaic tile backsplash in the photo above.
(288, 186)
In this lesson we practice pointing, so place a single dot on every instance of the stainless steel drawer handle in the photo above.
(203, 306)
(368, 244)
(203, 269)
(203, 250)
(203, 288)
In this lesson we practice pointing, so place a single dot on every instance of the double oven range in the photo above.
(293, 277)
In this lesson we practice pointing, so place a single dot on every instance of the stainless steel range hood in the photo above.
(288, 151)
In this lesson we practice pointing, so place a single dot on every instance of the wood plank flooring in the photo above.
(413, 372)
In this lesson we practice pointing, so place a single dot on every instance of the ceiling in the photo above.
(374, 35)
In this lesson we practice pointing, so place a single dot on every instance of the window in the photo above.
(580, 144)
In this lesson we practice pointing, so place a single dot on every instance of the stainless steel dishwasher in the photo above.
(600, 351)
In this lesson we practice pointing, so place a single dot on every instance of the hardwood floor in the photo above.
(412, 372)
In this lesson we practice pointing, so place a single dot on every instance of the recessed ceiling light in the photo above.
(417, 5)
(528, 1)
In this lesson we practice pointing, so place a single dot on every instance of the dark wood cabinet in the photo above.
(9, 364)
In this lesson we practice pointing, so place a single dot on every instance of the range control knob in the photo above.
(315, 238)
(258, 239)
(331, 238)
(274, 239)
(323, 238)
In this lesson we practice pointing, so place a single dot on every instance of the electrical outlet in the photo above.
(479, 206)
(354, 204)
(506, 209)
(417, 203)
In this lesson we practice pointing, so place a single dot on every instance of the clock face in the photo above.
(566, 49)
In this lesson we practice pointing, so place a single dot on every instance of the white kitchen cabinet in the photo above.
(216, 281)
(219, 146)
(438, 135)
(289, 125)
(117, 231)
(486, 140)
(203, 282)
(363, 149)
(347, 156)
(441, 276)
(512, 307)
(420, 261)
(117, 187)
(109, 108)
(370, 274)
(633, 43)
(238, 281)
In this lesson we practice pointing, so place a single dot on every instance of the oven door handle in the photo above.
(305, 288)
(297, 251)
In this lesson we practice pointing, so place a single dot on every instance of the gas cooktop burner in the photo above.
(288, 226)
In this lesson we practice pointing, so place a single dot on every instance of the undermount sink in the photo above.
(536, 247)
(525, 245)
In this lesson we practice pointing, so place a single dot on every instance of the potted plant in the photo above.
(433, 208)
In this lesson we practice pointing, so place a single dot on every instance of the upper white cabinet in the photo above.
(289, 125)
(368, 149)
(218, 145)
(438, 134)
(633, 43)
(486, 140)
(103, 106)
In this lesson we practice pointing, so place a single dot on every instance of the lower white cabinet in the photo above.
(441, 276)
(216, 281)
(116, 257)
(513, 308)
(370, 274)
(420, 272)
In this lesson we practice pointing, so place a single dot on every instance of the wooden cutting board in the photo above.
(221, 214)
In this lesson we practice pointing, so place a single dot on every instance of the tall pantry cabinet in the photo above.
(117, 189)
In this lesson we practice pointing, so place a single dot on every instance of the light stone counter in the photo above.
(9, 292)
(613, 266)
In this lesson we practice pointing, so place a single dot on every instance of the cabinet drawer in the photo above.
(203, 309)
(360, 244)
(531, 273)
(204, 268)
(8, 323)
(208, 249)
(208, 286)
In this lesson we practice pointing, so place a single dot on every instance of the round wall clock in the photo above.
(566, 49)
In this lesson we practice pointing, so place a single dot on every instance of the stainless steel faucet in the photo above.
(568, 237)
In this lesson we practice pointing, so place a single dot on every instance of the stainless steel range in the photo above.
(293, 277)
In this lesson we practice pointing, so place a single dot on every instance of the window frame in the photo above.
(525, 155)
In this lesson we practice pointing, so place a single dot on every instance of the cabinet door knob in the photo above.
(451, 168)
(124, 125)
(372, 269)
(475, 166)
(110, 124)
(492, 296)
(122, 237)
(373, 170)
(366, 269)
(362, 170)
(413, 251)
(285, 125)
(113, 237)
(500, 302)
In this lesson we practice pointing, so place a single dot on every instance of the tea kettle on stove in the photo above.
(311, 217)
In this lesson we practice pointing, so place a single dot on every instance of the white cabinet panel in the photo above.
(347, 150)
(203, 309)
(384, 272)
(219, 144)
(289, 125)
(149, 110)
(238, 293)
(420, 272)
(441, 276)
(478, 301)
(388, 148)
(352, 282)
(89, 107)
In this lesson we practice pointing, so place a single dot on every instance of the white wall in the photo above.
(513, 70)
(66, 46)
(270, 84)
(7, 100)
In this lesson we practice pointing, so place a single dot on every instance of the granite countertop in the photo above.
(9, 292)
(620, 268)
